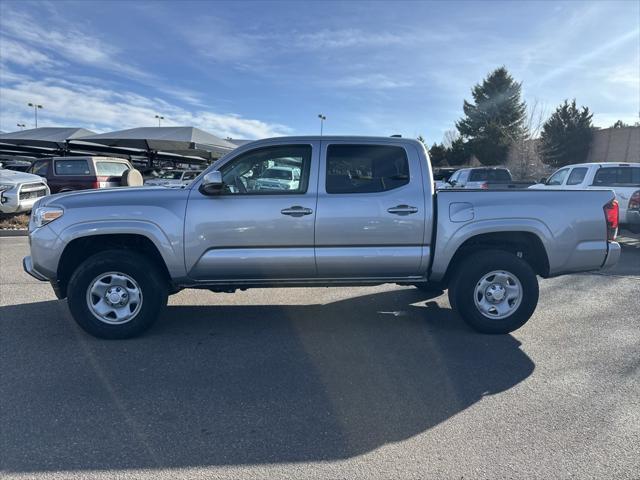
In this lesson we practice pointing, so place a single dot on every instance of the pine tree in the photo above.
(437, 154)
(566, 136)
(495, 119)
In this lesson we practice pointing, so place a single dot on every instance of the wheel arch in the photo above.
(80, 248)
(526, 245)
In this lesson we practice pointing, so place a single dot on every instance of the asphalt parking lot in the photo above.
(380, 382)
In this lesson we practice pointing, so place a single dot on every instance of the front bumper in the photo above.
(27, 265)
(10, 201)
(613, 255)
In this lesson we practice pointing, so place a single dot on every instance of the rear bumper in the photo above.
(27, 265)
(613, 255)
(632, 217)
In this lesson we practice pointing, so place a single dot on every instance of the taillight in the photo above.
(611, 215)
(484, 186)
(634, 202)
(100, 182)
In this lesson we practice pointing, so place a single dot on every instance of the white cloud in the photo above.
(69, 103)
(375, 81)
(582, 60)
(67, 41)
(23, 55)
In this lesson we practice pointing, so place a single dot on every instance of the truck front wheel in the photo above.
(116, 294)
(494, 291)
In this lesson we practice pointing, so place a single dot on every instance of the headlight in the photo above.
(43, 215)
(6, 186)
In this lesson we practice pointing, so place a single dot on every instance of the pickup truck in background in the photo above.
(485, 178)
(622, 178)
(363, 211)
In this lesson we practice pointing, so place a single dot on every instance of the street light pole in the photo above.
(160, 118)
(35, 110)
(322, 119)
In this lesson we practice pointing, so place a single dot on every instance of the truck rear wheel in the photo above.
(494, 291)
(116, 294)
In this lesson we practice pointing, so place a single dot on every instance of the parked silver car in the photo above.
(362, 213)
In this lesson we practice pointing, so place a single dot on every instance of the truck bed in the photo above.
(570, 225)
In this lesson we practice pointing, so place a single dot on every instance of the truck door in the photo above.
(371, 212)
(259, 227)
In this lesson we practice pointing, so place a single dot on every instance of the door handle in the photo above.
(296, 211)
(402, 210)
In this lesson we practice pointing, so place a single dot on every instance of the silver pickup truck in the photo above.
(361, 212)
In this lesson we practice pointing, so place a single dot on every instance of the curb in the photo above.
(14, 233)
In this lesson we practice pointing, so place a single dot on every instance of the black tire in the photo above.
(151, 282)
(469, 273)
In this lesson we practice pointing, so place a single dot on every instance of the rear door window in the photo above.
(617, 176)
(71, 167)
(111, 169)
(577, 176)
(366, 168)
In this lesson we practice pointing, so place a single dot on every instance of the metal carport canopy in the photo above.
(44, 137)
(162, 139)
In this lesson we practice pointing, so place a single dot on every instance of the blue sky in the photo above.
(256, 69)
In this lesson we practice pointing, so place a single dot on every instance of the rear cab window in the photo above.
(71, 167)
(111, 169)
(577, 175)
(617, 176)
(490, 175)
(558, 177)
(365, 168)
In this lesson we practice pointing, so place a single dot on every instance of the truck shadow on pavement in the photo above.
(237, 384)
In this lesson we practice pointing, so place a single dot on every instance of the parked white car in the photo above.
(173, 178)
(279, 178)
(19, 190)
(622, 178)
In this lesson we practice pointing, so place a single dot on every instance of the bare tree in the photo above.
(449, 137)
(524, 159)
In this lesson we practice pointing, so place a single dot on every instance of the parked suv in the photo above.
(65, 174)
(279, 178)
(19, 191)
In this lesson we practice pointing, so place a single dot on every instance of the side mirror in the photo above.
(543, 180)
(452, 182)
(212, 183)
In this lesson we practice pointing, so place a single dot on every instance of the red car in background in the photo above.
(65, 174)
